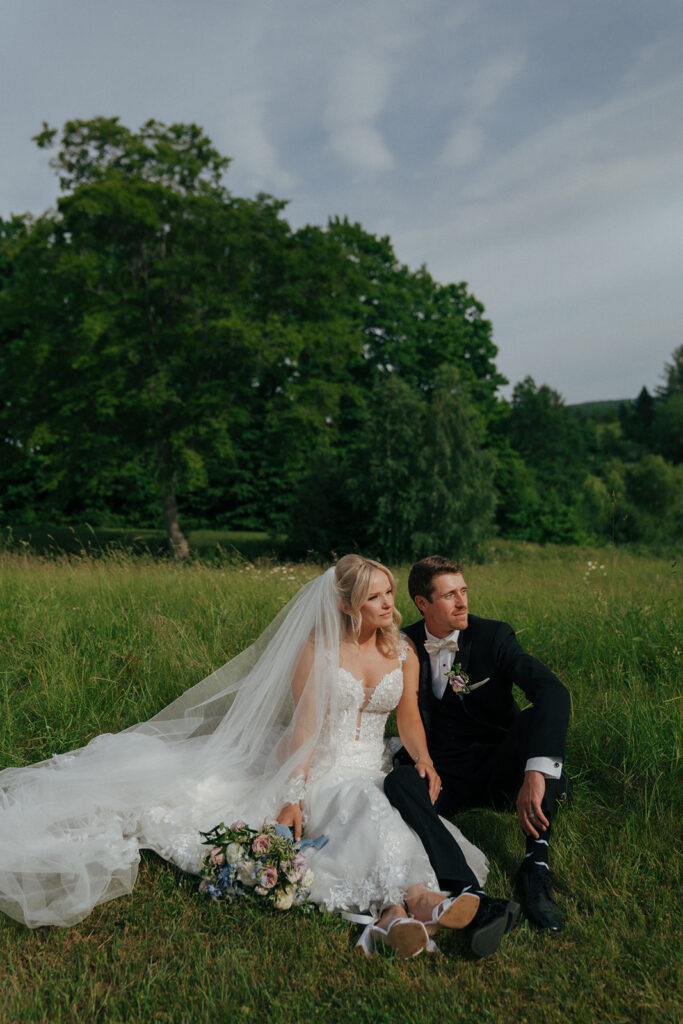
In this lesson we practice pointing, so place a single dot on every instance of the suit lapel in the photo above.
(464, 648)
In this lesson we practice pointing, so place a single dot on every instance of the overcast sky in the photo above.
(533, 148)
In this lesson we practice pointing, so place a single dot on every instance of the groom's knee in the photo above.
(403, 782)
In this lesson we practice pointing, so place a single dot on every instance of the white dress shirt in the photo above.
(441, 663)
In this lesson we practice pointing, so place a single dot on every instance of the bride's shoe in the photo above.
(454, 912)
(406, 936)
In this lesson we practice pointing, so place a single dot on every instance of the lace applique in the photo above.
(294, 791)
(354, 738)
(356, 882)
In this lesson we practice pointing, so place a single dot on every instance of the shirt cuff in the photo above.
(549, 766)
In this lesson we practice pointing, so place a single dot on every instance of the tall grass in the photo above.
(94, 645)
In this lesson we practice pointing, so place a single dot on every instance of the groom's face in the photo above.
(447, 609)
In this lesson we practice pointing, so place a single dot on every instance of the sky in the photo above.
(532, 148)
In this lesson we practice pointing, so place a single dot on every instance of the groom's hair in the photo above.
(424, 572)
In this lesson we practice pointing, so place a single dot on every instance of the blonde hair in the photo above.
(353, 574)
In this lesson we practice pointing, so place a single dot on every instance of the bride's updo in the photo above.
(353, 574)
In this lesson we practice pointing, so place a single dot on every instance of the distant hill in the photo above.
(606, 410)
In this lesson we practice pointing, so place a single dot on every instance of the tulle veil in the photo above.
(233, 746)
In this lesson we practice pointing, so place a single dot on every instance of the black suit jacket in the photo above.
(489, 650)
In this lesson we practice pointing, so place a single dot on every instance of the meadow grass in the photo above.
(92, 645)
(84, 539)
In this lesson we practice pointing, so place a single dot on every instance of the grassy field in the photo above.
(92, 645)
(217, 545)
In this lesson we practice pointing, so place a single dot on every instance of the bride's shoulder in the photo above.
(405, 649)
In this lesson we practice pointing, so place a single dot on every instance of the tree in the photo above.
(415, 478)
(133, 323)
(411, 325)
(551, 438)
(673, 375)
(166, 345)
(667, 430)
(457, 472)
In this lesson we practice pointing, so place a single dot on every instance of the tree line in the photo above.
(169, 349)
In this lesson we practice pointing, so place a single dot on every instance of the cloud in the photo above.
(257, 160)
(468, 138)
(359, 87)
(374, 43)
(600, 151)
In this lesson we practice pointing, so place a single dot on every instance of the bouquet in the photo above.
(266, 862)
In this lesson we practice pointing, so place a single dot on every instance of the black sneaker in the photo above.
(537, 896)
(493, 919)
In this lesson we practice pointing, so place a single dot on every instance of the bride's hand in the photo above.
(291, 815)
(426, 770)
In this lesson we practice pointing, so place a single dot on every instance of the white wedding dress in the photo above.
(72, 827)
(372, 857)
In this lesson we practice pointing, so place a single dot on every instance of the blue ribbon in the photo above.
(304, 844)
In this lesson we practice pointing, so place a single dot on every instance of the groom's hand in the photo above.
(426, 770)
(529, 813)
(291, 815)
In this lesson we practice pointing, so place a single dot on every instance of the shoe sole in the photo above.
(460, 913)
(486, 939)
(405, 939)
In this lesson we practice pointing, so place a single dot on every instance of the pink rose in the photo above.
(268, 878)
(217, 856)
(238, 824)
(261, 844)
(299, 860)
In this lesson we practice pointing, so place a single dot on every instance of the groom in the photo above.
(486, 751)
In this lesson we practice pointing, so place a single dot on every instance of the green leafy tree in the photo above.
(457, 472)
(415, 479)
(672, 375)
(551, 438)
(132, 315)
(411, 325)
(667, 429)
(166, 345)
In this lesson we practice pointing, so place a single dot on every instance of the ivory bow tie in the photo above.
(434, 646)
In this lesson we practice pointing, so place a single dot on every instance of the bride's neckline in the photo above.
(369, 690)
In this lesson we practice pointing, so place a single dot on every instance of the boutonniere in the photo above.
(458, 678)
(460, 681)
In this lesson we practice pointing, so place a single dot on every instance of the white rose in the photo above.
(308, 879)
(245, 872)
(234, 853)
(284, 899)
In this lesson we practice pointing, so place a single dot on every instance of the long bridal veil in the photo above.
(233, 746)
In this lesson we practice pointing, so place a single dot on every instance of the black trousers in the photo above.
(410, 796)
(491, 774)
(479, 775)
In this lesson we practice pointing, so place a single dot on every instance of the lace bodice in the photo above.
(354, 739)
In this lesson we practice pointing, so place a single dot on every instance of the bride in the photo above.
(292, 727)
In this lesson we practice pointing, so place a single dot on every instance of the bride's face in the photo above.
(378, 610)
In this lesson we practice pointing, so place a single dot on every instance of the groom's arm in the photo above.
(550, 702)
(549, 720)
